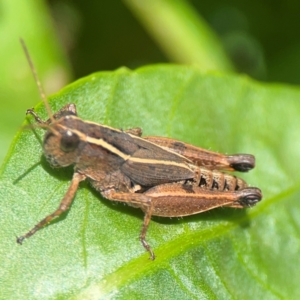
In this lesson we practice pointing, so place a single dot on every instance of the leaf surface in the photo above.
(93, 252)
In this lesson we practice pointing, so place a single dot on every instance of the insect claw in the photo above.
(20, 239)
(29, 111)
(152, 255)
(148, 248)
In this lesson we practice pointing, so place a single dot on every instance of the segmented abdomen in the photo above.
(216, 180)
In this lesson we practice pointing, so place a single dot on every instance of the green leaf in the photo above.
(93, 252)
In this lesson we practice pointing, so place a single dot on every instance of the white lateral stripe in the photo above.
(107, 146)
(158, 162)
(101, 143)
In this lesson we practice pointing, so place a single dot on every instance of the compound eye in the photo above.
(69, 141)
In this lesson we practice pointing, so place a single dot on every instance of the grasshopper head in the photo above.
(61, 143)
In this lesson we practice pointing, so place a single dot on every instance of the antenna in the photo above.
(36, 79)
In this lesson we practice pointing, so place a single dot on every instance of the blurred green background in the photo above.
(71, 39)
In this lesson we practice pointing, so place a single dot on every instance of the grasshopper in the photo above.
(161, 176)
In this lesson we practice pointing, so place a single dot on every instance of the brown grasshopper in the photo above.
(162, 176)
